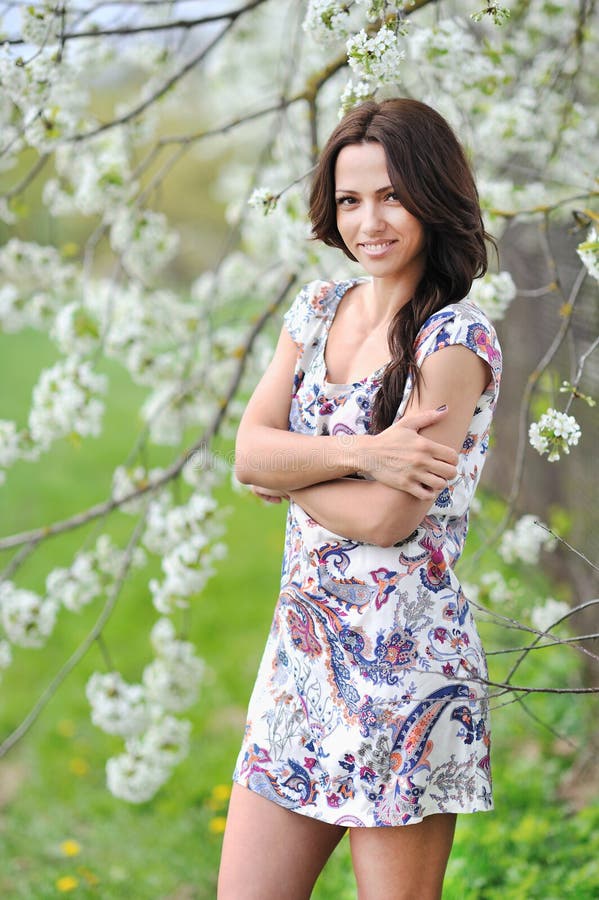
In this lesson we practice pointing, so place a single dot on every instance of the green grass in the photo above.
(52, 783)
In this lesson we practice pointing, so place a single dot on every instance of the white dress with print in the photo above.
(369, 707)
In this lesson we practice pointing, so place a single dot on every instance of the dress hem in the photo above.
(348, 820)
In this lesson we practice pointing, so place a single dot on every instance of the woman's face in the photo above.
(385, 238)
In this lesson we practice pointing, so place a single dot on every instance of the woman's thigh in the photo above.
(404, 862)
(270, 852)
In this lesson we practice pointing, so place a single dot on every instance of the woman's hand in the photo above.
(402, 458)
(269, 495)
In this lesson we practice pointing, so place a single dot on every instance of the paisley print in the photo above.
(368, 708)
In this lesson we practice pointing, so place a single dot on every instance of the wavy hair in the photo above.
(431, 176)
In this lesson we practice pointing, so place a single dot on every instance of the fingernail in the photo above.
(442, 408)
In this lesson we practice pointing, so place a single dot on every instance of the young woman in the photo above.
(369, 712)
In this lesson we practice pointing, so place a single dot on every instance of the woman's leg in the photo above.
(405, 862)
(270, 852)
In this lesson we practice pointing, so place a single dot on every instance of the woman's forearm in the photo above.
(399, 456)
(363, 510)
(284, 460)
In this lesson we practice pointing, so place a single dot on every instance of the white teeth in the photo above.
(377, 246)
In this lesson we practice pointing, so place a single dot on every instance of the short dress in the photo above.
(370, 707)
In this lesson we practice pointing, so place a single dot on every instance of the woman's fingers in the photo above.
(267, 494)
(406, 460)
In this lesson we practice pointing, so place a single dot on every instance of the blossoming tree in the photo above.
(273, 76)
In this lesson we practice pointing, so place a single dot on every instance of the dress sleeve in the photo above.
(463, 323)
(307, 311)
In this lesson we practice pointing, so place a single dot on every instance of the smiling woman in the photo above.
(369, 712)
(373, 223)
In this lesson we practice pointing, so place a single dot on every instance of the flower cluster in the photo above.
(35, 282)
(328, 20)
(66, 401)
(525, 541)
(496, 587)
(147, 763)
(374, 61)
(554, 433)
(186, 538)
(10, 448)
(26, 618)
(589, 253)
(117, 707)
(172, 680)
(89, 574)
(493, 294)
(155, 740)
(264, 199)
(143, 241)
(549, 614)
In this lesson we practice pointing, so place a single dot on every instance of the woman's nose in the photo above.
(373, 220)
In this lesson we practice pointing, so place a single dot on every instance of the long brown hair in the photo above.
(431, 176)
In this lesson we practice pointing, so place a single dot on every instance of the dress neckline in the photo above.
(345, 285)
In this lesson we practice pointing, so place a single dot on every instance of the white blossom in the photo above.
(549, 614)
(165, 743)
(77, 586)
(35, 281)
(40, 23)
(496, 587)
(135, 777)
(376, 57)
(27, 618)
(172, 680)
(493, 294)
(264, 199)
(5, 654)
(75, 330)
(109, 559)
(588, 251)
(163, 636)
(92, 178)
(117, 707)
(525, 541)
(143, 240)
(329, 20)
(356, 92)
(66, 401)
(554, 433)
(9, 445)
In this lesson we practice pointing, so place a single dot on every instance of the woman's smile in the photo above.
(378, 248)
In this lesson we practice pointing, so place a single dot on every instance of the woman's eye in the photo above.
(345, 201)
(391, 196)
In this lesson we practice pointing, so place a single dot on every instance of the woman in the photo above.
(373, 417)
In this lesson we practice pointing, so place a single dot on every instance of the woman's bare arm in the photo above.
(377, 513)
(270, 456)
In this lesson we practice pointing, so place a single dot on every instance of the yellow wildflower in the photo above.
(221, 792)
(67, 883)
(217, 824)
(70, 847)
(66, 728)
(78, 766)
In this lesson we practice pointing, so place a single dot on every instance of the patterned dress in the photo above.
(368, 709)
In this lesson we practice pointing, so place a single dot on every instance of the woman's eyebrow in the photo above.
(381, 190)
